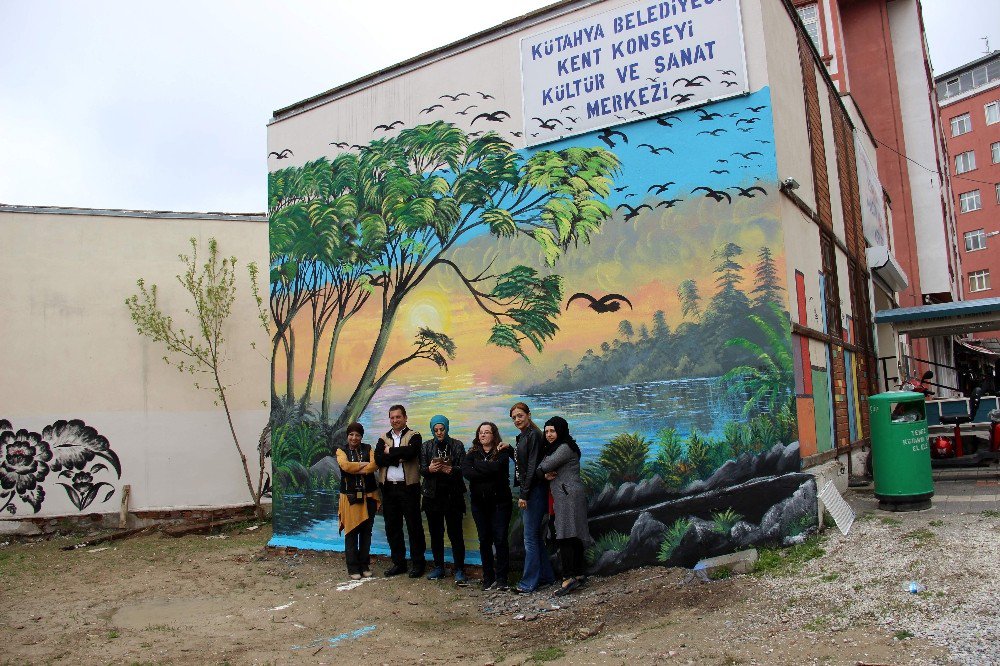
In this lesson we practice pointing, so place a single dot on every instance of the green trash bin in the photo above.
(901, 453)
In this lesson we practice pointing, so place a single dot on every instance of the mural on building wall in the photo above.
(63, 455)
(629, 279)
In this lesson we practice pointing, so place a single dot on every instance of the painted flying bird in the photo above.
(621, 189)
(746, 156)
(654, 149)
(641, 113)
(654, 79)
(608, 303)
(567, 108)
(719, 171)
(465, 112)
(715, 132)
(572, 119)
(726, 72)
(747, 191)
(756, 109)
(661, 187)
(548, 124)
(340, 144)
(388, 127)
(665, 120)
(282, 155)
(732, 115)
(748, 121)
(630, 194)
(620, 117)
(693, 83)
(475, 134)
(534, 134)
(431, 108)
(745, 129)
(357, 147)
(705, 115)
(454, 98)
(495, 117)
(730, 84)
(606, 134)
(722, 161)
(668, 203)
(761, 141)
(517, 133)
(632, 212)
(711, 193)
(485, 96)
(680, 99)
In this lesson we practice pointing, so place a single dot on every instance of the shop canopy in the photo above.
(942, 319)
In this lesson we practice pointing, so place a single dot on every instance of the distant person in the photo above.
(398, 458)
(487, 469)
(561, 468)
(359, 501)
(444, 497)
(533, 501)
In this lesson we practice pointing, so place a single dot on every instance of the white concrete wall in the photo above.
(69, 350)
(918, 116)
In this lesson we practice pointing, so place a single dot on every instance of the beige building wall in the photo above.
(69, 351)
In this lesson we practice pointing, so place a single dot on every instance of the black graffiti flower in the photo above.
(75, 444)
(24, 464)
(83, 490)
(83, 481)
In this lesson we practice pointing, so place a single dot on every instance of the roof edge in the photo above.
(973, 63)
(118, 212)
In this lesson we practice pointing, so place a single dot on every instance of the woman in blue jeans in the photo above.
(487, 469)
(533, 500)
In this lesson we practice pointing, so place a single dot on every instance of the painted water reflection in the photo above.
(309, 520)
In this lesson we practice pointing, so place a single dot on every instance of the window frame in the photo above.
(957, 124)
(812, 24)
(995, 104)
(980, 278)
(995, 152)
(968, 159)
(973, 195)
(978, 235)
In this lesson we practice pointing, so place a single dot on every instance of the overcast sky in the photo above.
(126, 104)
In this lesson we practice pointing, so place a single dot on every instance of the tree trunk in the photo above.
(289, 366)
(254, 495)
(328, 375)
(307, 394)
(366, 384)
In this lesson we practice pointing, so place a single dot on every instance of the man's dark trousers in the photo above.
(402, 502)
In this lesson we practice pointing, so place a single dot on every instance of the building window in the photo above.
(965, 161)
(970, 201)
(975, 240)
(995, 149)
(979, 280)
(998, 192)
(810, 19)
(970, 80)
(961, 124)
(993, 113)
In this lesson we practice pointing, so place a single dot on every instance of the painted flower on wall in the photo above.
(75, 444)
(67, 447)
(24, 464)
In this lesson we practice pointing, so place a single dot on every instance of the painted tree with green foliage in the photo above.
(769, 380)
(411, 199)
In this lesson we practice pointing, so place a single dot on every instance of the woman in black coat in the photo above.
(487, 469)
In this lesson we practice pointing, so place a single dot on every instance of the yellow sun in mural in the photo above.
(428, 312)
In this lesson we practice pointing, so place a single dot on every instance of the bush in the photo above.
(610, 541)
(672, 538)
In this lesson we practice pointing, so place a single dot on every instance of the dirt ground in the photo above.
(221, 599)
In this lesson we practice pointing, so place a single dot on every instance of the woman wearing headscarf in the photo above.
(359, 501)
(533, 500)
(444, 496)
(561, 468)
(487, 469)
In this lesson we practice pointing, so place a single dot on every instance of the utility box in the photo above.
(901, 455)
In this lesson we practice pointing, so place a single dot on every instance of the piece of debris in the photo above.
(587, 632)
(198, 528)
(282, 607)
(97, 550)
(115, 536)
(334, 640)
(217, 536)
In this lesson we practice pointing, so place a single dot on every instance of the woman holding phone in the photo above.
(487, 469)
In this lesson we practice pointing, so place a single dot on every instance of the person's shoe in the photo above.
(395, 570)
(366, 573)
(500, 586)
(355, 576)
(567, 587)
(417, 571)
(460, 578)
(437, 573)
(487, 584)
(520, 590)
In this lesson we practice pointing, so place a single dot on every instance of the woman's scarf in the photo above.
(439, 419)
(562, 436)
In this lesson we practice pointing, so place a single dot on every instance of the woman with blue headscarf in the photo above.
(444, 496)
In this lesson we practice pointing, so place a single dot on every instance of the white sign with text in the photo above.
(642, 59)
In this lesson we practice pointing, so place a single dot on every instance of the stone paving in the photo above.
(958, 490)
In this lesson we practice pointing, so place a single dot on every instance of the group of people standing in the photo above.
(403, 474)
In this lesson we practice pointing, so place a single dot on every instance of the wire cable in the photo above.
(934, 171)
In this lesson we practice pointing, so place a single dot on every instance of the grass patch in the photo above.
(547, 654)
(724, 520)
(891, 522)
(903, 634)
(820, 623)
(785, 561)
(720, 573)
(113, 634)
(920, 537)
(936, 523)
(830, 577)
(990, 513)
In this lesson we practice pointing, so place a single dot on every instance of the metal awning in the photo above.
(976, 349)
(941, 319)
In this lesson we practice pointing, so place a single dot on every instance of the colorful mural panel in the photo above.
(631, 280)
